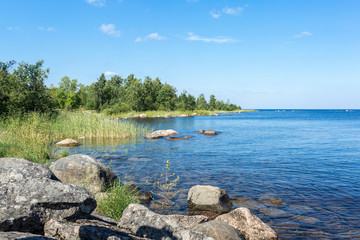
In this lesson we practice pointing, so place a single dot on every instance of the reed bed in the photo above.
(32, 136)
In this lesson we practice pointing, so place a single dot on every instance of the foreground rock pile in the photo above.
(35, 204)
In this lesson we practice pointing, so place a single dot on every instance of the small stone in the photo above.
(210, 132)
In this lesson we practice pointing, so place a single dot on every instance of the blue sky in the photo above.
(257, 53)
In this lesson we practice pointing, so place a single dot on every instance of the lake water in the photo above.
(307, 161)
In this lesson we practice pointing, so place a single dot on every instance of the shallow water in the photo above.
(299, 171)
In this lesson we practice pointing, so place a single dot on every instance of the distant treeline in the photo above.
(22, 90)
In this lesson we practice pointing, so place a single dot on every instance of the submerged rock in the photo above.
(22, 235)
(27, 202)
(85, 171)
(160, 133)
(208, 198)
(67, 143)
(248, 224)
(177, 138)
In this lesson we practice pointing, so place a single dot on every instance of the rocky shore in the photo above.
(59, 202)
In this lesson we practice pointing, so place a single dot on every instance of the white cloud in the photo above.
(110, 29)
(226, 10)
(49, 29)
(215, 14)
(193, 37)
(151, 36)
(12, 28)
(97, 3)
(303, 34)
(108, 73)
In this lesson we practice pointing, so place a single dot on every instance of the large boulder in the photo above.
(67, 143)
(27, 201)
(248, 224)
(219, 231)
(27, 167)
(208, 198)
(84, 171)
(144, 223)
(160, 134)
(143, 115)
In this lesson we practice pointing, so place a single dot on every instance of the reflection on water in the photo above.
(297, 170)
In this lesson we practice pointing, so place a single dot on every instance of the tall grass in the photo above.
(116, 199)
(31, 136)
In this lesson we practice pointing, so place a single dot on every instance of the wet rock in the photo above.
(143, 115)
(219, 230)
(187, 137)
(248, 203)
(176, 138)
(160, 133)
(210, 132)
(22, 235)
(85, 171)
(300, 209)
(144, 223)
(145, 196)
(270, 199)
(306, 219)
(28, 202)
(248, 224)
(67, 143)
(200, 131)
(27, 167)
(208, 198)
(273, 212)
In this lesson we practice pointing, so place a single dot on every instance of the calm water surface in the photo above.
(309, 159)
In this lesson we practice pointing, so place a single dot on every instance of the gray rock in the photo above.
(184, 115)
(208, 198)
(25, 166)
(160, 133)
(27, 202)
(145, 196)
(67, 143)
(84, 171)
(22, 235)
(219, 230)
(248, 224)
(167, 116)
(210, 132)
(90, 229)
(144, 223)
(143, 115)
(201, 131)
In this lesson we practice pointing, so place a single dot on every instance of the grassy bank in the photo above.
(31, 136)
(176, 113)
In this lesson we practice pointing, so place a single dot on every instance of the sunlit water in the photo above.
(309, 159)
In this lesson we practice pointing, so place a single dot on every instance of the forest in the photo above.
(22, 90)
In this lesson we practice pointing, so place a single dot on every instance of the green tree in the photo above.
(201, 103)
(212, 102)
(5, 85)
(100, 90)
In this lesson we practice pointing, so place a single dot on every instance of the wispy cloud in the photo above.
(151, 36)
(227, 11)
(303, 34)
(110, 29)
(48, 29)
(193, 37)
(108, 73)
(12, 28)
(97, 3)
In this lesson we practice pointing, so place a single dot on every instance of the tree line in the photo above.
(22, 89)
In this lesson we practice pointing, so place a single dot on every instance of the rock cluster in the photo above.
(35, 204)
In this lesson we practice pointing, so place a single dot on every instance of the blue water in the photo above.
(310, 159)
